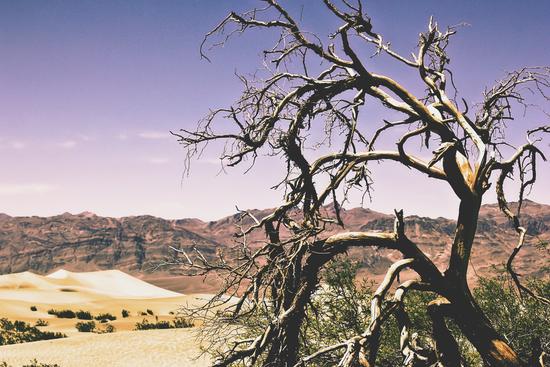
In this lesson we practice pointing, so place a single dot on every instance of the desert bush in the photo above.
(85, 326)
(179, 322)
(125, 313)
(41, 322)
(341, 310)
(141, 313)
(83, 315)
(15, 332)
(62, 314)
(33, 308)
(109, 329)
(150, 312)
(182, 322)
(33, 363)
(146, 325)
(521, 320)
(103, 317)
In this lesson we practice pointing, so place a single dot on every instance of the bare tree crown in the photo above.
(277, 114)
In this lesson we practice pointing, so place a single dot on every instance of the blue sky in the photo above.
(90, 89)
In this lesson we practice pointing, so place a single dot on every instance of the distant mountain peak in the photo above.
(87, 214)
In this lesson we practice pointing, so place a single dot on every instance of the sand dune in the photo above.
(25, 280)
(98, 292)
(112, 283)
(65, 288)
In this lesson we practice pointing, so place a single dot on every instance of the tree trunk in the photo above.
(284, 352)
(473, 323)
(446, 347)
(468, 315)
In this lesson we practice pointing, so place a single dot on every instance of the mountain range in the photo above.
(138, 244)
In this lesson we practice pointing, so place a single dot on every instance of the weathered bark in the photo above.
(467, 314)
(284, 352)
(463, 241)
(448, 353)
(492, 347)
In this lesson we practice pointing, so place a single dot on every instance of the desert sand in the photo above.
(159, 348)
(98, 292)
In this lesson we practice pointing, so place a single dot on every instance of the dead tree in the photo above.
(318, 85)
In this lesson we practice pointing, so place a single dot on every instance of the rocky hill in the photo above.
(86, 242)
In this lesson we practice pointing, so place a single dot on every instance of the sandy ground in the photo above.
(148, 348)
(98, 292)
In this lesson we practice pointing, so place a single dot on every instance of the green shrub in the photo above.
(146, 325)
(41, 322)
(62, 314)
(341, 310)
(522, 321)
(181, 322)
(33, 363)
(103, 317)
(14, 332)
(125, 313)
(85, 326)
(33, 308)
(83, 315)
(20, 325)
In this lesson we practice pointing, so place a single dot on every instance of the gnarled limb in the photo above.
(530, 152)
(413, 356)
(277, 114)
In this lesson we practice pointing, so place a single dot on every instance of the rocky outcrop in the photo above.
(88, 242)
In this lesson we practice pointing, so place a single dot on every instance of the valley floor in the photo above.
(160, 348)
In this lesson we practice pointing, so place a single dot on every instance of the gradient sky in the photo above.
(90, 89)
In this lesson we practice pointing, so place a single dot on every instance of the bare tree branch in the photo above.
(315, 123)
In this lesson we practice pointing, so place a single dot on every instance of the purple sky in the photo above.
(90, 89)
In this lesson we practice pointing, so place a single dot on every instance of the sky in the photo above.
(89, 91)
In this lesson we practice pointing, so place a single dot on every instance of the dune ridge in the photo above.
(114, 283)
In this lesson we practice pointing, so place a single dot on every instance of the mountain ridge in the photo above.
(86, 213)
(135, 244)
